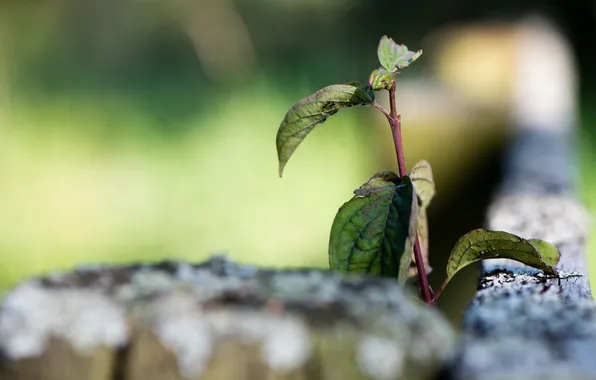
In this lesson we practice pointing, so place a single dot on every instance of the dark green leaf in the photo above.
(395, 56)
(314, 110)
(380, 79)
(376, 182)
(481, 244)
(373, 232)
(422, 179)
(369, 91)
(366, 89)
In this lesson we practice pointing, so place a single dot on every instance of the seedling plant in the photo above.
(383, 229)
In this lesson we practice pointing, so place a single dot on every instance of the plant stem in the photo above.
(438, 293)
(396, 130)
(397, 141)
(384, 111)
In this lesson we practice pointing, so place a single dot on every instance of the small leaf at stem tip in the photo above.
(422, 179)
(314, 110)
(482, 244)
(394, 56)
(374, 232)
(380, 79)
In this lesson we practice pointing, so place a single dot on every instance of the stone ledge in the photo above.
(218, 320)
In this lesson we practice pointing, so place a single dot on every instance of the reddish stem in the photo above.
(424, 287)
(438, 293)
(396, 130)
(397, 141)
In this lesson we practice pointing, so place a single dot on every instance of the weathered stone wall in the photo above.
(218, 320)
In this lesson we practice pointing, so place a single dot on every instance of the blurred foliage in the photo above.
(587, 177)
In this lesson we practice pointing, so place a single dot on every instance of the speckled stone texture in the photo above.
(217, 320)
(521, 325)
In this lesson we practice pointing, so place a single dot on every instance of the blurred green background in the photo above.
(145, 130)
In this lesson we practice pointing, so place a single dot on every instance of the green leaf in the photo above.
(394, 56)
(366, 89)
(373, 232)
(314, 110)
(380, 79)
(369, 91)
(481, 244)
(407, 59)
(422, 178)
(549, 254)
(424, 184)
